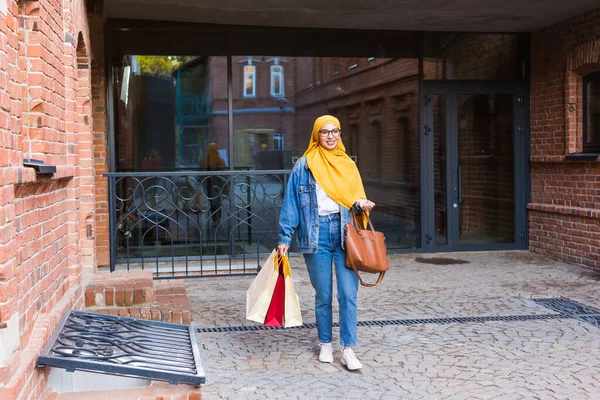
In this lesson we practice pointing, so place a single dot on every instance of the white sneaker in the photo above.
(326, 355)
(350, 360)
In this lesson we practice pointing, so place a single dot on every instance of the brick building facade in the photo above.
(47, 223)
(53, 107)
(564, 212)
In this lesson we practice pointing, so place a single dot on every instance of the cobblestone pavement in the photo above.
(556, 358)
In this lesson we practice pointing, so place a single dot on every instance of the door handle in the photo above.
(459, 184)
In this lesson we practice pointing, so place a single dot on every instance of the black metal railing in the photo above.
(194, 223)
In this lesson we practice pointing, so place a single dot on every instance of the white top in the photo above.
(326, 204)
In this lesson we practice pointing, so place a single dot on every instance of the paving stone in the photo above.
(537, 359)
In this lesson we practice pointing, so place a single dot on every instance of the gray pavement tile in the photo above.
(542, 359)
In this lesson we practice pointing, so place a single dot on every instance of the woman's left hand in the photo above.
(366, 205)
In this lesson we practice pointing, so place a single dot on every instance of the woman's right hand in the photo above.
(282, 249)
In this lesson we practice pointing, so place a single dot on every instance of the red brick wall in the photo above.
(564, 212)
(45, 242)
(100, 141)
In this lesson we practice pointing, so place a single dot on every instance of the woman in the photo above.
(323, 186)
(216, 187)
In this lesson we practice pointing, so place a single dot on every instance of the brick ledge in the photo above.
(547, 159)
(27, 175)
(558, 159)
(565, 210)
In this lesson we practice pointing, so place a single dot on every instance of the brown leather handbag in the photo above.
(365, 251)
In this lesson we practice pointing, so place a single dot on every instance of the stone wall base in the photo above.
(155, 391)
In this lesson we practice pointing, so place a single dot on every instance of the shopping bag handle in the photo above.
(282, 264)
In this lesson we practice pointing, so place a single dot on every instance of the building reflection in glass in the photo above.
(177, 106)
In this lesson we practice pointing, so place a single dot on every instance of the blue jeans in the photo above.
(321, 278)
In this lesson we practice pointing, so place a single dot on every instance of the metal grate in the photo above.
(565, 308)
(572, 309)
(194, 223)
(124, 346)
(450, 320)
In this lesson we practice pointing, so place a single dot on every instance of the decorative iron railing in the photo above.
(194, 223)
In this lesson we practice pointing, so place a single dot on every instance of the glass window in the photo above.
(276, 80)
(591, 126)
(402, 148)
(249, 81)
(486, 168)
(262, 123)
(171, 109)
(450, 56)
(270, 132)
(352, 146)
(378, 159)
(168, 110)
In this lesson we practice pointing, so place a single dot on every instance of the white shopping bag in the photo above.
(292, 314)
(258, 296)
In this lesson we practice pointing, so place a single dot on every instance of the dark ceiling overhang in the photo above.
(402, 15)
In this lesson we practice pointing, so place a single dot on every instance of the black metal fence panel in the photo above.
(194, 223)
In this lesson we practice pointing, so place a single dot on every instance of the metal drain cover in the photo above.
(572, 309)
(439, 321)
(124, 346)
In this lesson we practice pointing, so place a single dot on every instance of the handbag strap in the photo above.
(355, 223)
(379, 278)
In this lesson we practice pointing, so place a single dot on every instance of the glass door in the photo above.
(483, 166)
(474, 167)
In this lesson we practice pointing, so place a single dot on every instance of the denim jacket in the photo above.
(301, 211)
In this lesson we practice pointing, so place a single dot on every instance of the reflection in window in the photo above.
(403, 154)
(591, 107)
(352, 149)
(164, 115)
(276, 80)
(378, 141)
(249, 81)
(178, 106)
(352, 63)
(335, 66)
(269, 130)
(451, 56)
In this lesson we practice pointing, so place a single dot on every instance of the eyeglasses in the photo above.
(334, 132)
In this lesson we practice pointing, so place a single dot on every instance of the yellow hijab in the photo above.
(334, 171)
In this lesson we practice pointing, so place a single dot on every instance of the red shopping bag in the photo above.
(276, 309)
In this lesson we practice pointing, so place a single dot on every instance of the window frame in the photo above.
(593, 147)
(281, 80)
(246, 74)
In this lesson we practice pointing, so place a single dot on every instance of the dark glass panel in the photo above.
(168, 110)
(486, 168)
(471, 56)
